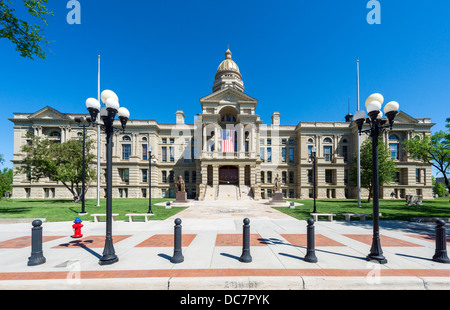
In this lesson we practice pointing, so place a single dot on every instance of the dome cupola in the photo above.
(228, 74)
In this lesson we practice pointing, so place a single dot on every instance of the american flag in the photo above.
(228, 140)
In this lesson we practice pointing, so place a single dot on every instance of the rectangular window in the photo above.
(345, 152)
(125, 174)
(283, 142)
(393, 148)
(144, 192)
(283, 176)
(126, 151)
(164, 140)
(327, 153)
(291, 177)
(164, 176)
(269, 141)
(172, 154)
(261, 154)
(262, 177)
(329, 176)
(417, 175)
(310, 176)
(346, 176)
(291, 141)
(309, 150)
(172, 140)
(291, 193)
(144, 152)
(283, 154)
(269, 154)
(144, 175)
(269, 177)
(194, 177)
(291, 155)
(164, 153)
(186, 177)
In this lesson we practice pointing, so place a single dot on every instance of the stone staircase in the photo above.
(228, 192)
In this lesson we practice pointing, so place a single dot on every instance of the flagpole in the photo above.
(358, 137)
(98, 140)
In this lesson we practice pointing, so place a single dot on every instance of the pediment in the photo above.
(227, 96)
(402, 117)
(48, 113)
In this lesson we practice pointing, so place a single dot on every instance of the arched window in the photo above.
(393, 137)
(310, 140)
(126, 138)
(327, 149)
(144, 138)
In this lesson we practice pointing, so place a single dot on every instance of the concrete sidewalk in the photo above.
(212, 246)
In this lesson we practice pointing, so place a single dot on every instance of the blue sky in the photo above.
(296, 57)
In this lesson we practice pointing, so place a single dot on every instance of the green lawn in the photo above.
(59, 210)
(56, 210)
(390, 209)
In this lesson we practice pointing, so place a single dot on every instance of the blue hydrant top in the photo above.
(77, 220)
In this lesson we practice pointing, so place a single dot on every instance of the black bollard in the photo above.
(440, 255)
(177, 254)
(37, 257)
(246, 257)
(310, 248)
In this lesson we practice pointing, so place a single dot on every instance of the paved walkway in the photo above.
(212, 246)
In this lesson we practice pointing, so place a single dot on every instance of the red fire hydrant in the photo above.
(77, 228)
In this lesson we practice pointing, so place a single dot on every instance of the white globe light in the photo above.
(380, 115)
(373, 106)
(92, 103)
(392, 106)
(361, 114)
(375, 97)
(112, 103)
(106, 94)
(123, 112)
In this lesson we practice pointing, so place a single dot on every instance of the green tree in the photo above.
(6, 179)
(25, 35)
(440, 190)
(386, 166)
(433, 150)
(62, 162)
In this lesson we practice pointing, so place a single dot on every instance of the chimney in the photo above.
(276, 118)
(180, 117)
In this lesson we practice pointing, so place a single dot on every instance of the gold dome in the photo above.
(228, 64)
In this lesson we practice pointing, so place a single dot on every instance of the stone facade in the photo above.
(228, 151)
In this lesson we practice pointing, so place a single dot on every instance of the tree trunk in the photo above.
(370, 194)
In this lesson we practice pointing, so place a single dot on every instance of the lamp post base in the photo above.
(376, 258)
(108, 260)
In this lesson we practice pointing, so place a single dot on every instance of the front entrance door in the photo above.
(228, 175)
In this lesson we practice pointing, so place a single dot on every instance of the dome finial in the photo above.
(228, 53)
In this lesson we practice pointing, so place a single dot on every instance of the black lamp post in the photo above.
(149, 177)
(313, 158)
(79, 120)
(377, 125)
(107, 115)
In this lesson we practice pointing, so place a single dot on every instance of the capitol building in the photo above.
(228, 153)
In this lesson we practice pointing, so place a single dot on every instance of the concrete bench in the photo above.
(132, 215)
(97, 216)
(362, 216)
(316, 216)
